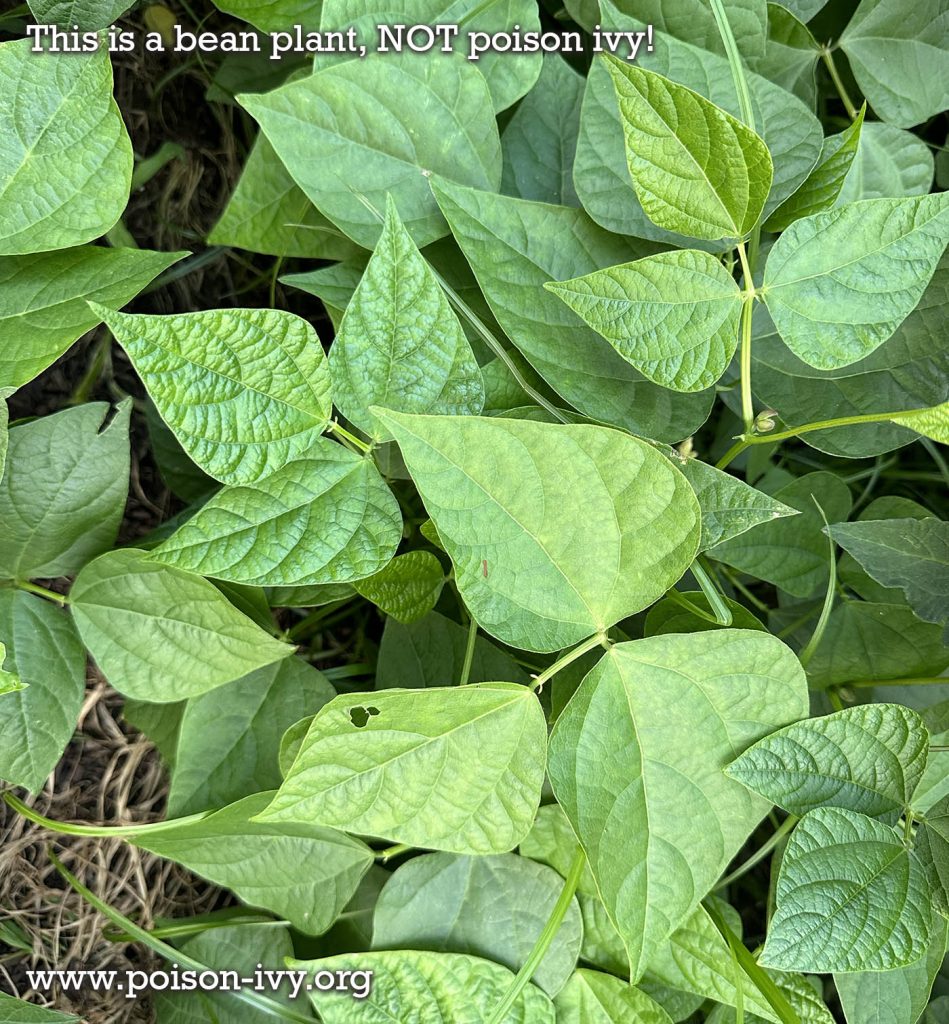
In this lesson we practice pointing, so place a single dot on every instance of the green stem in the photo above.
(50, 595)
(469, 651)
(335, 428)
(568, 658)
(745, 335)
(939, 748)
(91, 377)
(835, 702)
(759, 855)
(912, 681)
(716, 601)
(735, 63)
(684, 602)
(318, 617)
(392, 851)
(827, 57)
(544, 940)
(821, 627)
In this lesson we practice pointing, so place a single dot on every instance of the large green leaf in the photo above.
(492, 907)
(890, 163)
(301, 872)
(455, 769)
(400, 344)
(244, 390)
(644, 790)
(327, 516)
(674, 316)
(529, 571)
(229, 739)
(43, 297)
(591, 997)
(900, 59)
(36, 722)
(407, 588)
(851, 896)
(838, 284)
(63, 493)
(696, 169)
(386, 122)
(160, 634)
(693, 21)
(65, 156)
(867, 758)
(514, 248)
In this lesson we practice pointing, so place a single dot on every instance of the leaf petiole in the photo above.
(716, 601)
(759, 855)
(469, 650)
(570, 657)
(827, 56)
(342, 432)
(50, 595)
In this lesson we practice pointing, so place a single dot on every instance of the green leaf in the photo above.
(838, 284)
(229, 739)
(823, 185)
(270, 214)
(432, 988)
(36, 722)
(696, 169)
(333, 285)
(526, 570)
(275, 15)
(851, 896)
(160, 634)
(932, 845)
(65, 156)
(386, 122)
(594, 998)
(455, 769)
(407, 588)
(790, 55)
(889, 163)
(670, 615)
(515, 247)
(327, 516)
(14, 1011)
(932, 422)
(5, 393)
(400, 344)
(868, 758)
(492, 907)
(673, 316)
(804, 9)
(659, 840)
(9, 681)
(912, 554)
(244, 390)
(63, 494)
(692, 21)
(899, 58)
(43, 307)
(261, 862)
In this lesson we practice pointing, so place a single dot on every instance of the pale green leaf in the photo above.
(400, 344)
(14, 1011)
(308, 597)
(673, 316)
(790, 55)
(528, 571)
(407, 588)
(838, 284)
(851, 896)
(692, 21)
(43, 307)
(455, 769)
(799, 993)
(325, 517)
(933, 422)
(65, 156)
(492, 907)
(659, 838)
(244, 390)
(890, 163)
(387, 122)
(594, 998)
(804, 9)
(63, 493)
(333, 285)
(160, 634)
(44, 652)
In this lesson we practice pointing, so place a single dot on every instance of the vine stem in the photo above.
(759, 855)
(745, 332)
(567, 659)
(805, 656)
(469, 649)
(827, 56)
(50, 595)
(734, 62)
(545, 938)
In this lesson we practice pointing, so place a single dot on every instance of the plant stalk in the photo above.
(50, 595)
(567, 659)
(469, 650)
(827, 57)
(759, 855)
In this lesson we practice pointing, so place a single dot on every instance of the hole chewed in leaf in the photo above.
(360, 716)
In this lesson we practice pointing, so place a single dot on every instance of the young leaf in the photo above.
(400, 345)
(36, 722)
(492, 907)
(244, 390)
(867, 758)
(407, 588)
(851, 896)
(63, 493)
(261, 862)
(673, 316)
(43, 300)
(528, 570)
(838, 284)
(325, 517)
(696, 169)
(455, 769)
(66, 158)
(677, 820)
(160, 634)
(591, 997)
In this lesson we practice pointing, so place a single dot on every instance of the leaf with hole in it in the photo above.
(867, 758)
(838, 284)
(325, 517)
(696, 169)
(456, 769)
(65, 156)
(591, 997)
(851, 896)
(244, 390)
(407, 588)
(400, 344)
(260, 862)
(529, 571)
(659, 840)
(673, 316)
(160, 634)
